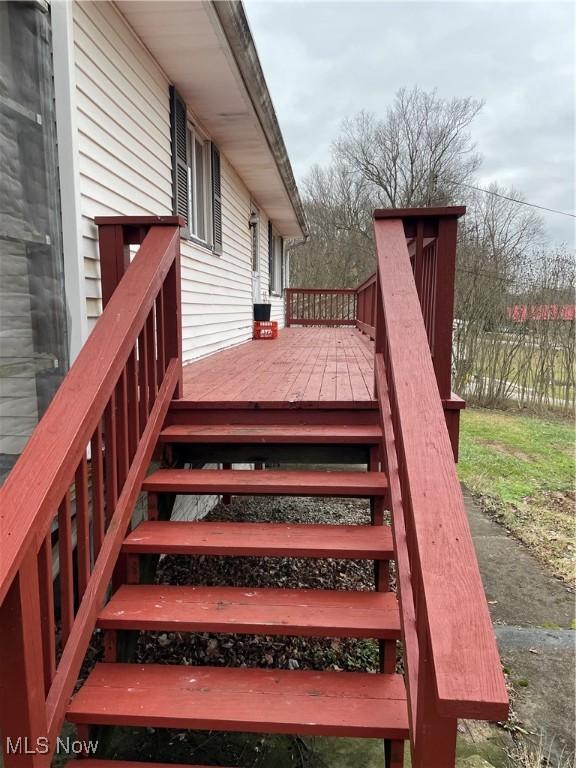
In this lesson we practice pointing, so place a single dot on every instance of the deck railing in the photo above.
(366, 306)
(451, 660)
(81, 472)
(431, 243)
(320, 306)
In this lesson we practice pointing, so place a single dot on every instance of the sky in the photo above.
(325, 61)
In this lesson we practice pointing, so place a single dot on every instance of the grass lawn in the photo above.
(523, 468)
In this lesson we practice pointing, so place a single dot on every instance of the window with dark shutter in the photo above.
(180, 159)
(216, 201)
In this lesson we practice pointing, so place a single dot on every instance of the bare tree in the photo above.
(340, 252)
(417, 155)
(421, 154)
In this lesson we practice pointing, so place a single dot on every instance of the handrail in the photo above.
(447, 628)
(28, 495)
(104, 420)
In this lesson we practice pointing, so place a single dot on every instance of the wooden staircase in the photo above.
(122, 407)
(256, 700)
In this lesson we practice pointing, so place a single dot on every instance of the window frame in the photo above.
(193, 136)
(275, 277)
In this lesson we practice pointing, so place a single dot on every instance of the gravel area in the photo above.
(269, 651)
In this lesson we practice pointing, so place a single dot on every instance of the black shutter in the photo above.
(179, 134)
(270, 258)
(282, 267)
(216, 201)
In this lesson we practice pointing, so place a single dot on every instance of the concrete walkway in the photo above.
(533, 614)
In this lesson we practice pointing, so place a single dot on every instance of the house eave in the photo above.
(236, 28)
(207, 52)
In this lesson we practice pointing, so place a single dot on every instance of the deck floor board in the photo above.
(312, 365)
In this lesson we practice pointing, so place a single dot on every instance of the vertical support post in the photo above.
(116, 233)
(394, 754)
(444, 303)
(114, 258)
(418, 267)
(226, 497)
(173, 319)
(387, 648)
(288, 308)
(435, 736)
(22, 705)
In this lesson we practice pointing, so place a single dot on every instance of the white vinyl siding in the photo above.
(123, 130)
(123, 115)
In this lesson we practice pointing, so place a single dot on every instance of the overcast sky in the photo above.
(327, 60)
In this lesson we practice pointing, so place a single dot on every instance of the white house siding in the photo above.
(123, 118)
(125, 169)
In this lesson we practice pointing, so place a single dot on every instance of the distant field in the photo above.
(523, 468)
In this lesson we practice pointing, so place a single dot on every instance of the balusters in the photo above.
(150, 333)
(97, 466)
(110, 457)
(82, 526)
(122, 430)
(66, 568)
(160, 347)
(133, 405)
(46, 586)
(143, 380)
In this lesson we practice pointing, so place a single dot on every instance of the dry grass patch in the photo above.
(527, 755)
(522, 468)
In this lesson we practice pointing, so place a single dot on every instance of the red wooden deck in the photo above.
(312, 365)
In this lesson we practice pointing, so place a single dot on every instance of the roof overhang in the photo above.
(207, 51)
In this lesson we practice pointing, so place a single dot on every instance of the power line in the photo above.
(511, 199)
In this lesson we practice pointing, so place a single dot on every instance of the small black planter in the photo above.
(262, 312)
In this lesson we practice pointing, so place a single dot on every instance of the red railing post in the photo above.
(115, 235)
(288, 308)
(114, 255)
(431, 238)
(434, 735)
(23, 722)
(444, 304)
(173, 320)
(363, 306)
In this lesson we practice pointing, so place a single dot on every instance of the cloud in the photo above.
(325, 61)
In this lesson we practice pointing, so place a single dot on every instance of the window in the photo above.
(255, 235)
(196, 183)
(200, 217)
(276, 262)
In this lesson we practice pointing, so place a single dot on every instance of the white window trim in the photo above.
(277, 259)
(255, 241)
(194, 135)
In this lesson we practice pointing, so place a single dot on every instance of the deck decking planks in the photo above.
(309, 365)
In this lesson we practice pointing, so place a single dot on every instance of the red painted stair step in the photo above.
(250, 700)
(303, 612)
(342, 434)
(351, 542)
(252, 483)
